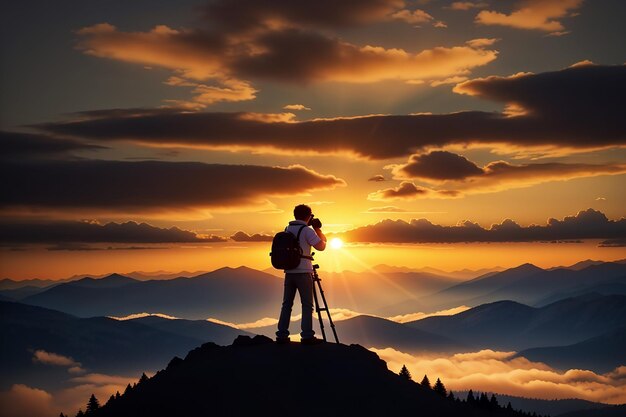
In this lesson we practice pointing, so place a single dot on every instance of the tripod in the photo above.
(318, 280)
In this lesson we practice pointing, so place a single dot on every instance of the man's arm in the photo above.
(322, 244)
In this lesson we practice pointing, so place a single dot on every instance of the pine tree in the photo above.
(470, 397)
(92, 405)
(483, 401)
(439, 388)
(111, 400)
(143, 378)
(425, 382)
(404, 372)
(80, 413)
(117, 395)
(509, 407)
(451, 396)
(62, 415)
(128, 389)
(493, 402)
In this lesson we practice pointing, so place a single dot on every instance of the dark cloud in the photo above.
(72, 234)
(241, 15)
(405, 191)
(455, 174)
(257, 237)
(377, 178)
(439, 165)
(613, 243)
(150, 186)
(29, 145)
(577, 107)
(587, 224)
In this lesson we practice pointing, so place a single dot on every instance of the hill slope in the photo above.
(258, 377)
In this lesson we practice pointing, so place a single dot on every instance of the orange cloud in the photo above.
(296, 107)
(499, 372)
(49, 358)
(467, 5)
(541, 15)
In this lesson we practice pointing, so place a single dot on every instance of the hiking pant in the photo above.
(303, 283)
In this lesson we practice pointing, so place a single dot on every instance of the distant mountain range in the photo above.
(99, 344)
(509, 325)
(379, 333)
(235, 295)
(533, 286)
(600, 354)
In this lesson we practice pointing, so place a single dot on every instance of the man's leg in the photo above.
(305, 288)
(285, 311)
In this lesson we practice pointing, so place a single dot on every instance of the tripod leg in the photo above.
(317, 308)
(330, 319)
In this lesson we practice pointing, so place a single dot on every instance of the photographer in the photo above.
(300, 278)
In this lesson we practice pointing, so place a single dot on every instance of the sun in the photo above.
(336, 243)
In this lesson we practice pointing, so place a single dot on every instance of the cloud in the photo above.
(65, 233)
(54, 359)
(405, 191)
(249, 15)
(575, 108)
(386, 209)
(438, 165)
(227, 61)
(613, 243)
(405, 318)
(150, 186)
(24, 401)
(257, 237)
(413, 16)
(296, 107)
(587, 224)
(499, 372)
(455, 172)
(543, 15)
(467, 5)
(144, 314)
(29, 145)
(377, 178)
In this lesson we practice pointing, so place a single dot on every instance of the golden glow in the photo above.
(336, 243)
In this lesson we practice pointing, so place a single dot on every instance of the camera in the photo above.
(315, 222)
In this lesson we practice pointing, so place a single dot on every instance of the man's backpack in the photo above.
(286, 250)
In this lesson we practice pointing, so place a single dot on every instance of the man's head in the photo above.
(302, 212)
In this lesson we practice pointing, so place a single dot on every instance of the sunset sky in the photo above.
(145, 135)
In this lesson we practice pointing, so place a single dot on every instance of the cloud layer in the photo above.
(577, 107)
(245, 40)
(587, 224)
(454, 174)
(543, 15)
(499, 372)
(150, 186)
(17, 231)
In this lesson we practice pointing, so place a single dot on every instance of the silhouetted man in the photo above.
(301, 277)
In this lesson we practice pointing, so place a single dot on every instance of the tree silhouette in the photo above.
(404, 372)
(143, 378)
(92, 405)
(80, 413)
(509, 407)
(470, 397)
(117, 395)
(425, 382)
(493, 402)
(439, 388)
(128, 389)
